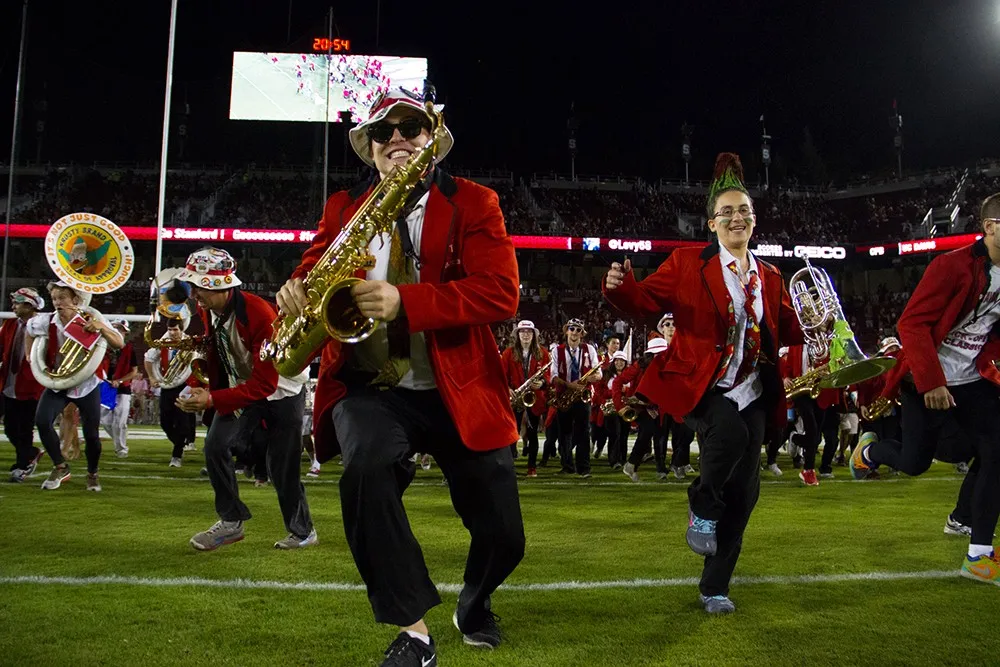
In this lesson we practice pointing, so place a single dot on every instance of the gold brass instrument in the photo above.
(630, 411)
(90, 255)
(807, 383)
(191, 350)
(827, 332)
(608, 407)
(524, 396)
(331, 312)
(566, 399)
(878, 408)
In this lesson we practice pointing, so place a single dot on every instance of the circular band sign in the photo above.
(89, 253)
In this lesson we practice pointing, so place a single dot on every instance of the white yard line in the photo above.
(781, 580)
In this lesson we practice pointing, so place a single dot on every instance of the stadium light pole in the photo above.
(326, 123)
(13, 146)
(166, 136)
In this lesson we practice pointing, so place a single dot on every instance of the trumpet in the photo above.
(608, 407)
(564, 400)
(524, 396)
(630, 412)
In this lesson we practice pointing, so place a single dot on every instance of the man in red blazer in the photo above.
(440, 280)
(245, 395)
(946, 375)
(20, 388)
(732, 312)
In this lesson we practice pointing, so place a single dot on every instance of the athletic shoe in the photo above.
(407, 651)
(679, 471)
(689, 469)
(174, 462)
(630, 472)
(717, 604)
(982, 568)
(840, 460)
(962, 468)
(259, 483)
(122, 454)
(808, 477)
(18, 475)
(775, 470)
(701, 535)
(425, 462)
(585, 475)
(313, 472)
(952, 527)
(58, 475)
(617, 466)
(661, 476)
(220, 534)
(93, 482)
(532, 472)
(30, 470)
(189, 447)
(860, 468)
(827, 475)
(486, 636)
(295, 542)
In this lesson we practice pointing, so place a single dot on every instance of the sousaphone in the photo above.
(169, 301)
(91, 255)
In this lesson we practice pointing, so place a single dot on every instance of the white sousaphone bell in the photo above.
(90, 255)
(169, 301)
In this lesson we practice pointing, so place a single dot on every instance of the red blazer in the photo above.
(790, 366)
(626, 383)
(514, 375)
(690, 285)
(950, 288)
(254, 319)
(468, 281)
(26, 387)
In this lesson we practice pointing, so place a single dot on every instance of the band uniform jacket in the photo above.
(951, 287)
(690, 284)
(26, 387)
(514, 374)
(468, 280)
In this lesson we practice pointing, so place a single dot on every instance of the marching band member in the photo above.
(523, 359)
(178, 425)
(647, 418)
(126, 368)
(949, 350)
(572, 361)
(819, 415)
(618, 430)
(20, 388)
(887, 426)
(428, 380)
(681, 435)
(732, 309)
(86, 395)
(246, 395)
(599, 434)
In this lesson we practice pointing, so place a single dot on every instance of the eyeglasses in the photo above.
(382, 131)
(573, 329)
(668, 325)
(727, 213)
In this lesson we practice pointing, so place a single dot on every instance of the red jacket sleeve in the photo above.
(264, 376)
(490, 290)
(650, 298)
(626, 377)
(931, 297)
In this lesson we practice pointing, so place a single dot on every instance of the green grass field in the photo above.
(799, 603)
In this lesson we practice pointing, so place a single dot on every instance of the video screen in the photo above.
(293, 86)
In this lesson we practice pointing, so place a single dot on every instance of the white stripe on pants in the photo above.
(115, 422)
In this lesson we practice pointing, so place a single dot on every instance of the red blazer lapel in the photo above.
(711, 275)
(439, 219)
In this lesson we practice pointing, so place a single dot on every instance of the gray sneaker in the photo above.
(58, 475)
(717, 604)
(93, 482)
(630, 472)
(701, 535)
(220, 534)
(18, 475)
(680, 472)
(295, 542)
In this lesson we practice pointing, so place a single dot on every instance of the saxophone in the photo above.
(524, 396)
(807, 383)
(879, 408)
(331, 312)
(566, 399)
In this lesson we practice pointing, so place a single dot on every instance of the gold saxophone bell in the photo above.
(528, 400)
(344, 322)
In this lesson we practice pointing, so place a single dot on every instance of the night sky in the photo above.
(508, 73)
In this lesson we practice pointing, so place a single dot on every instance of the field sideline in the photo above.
(852, 573)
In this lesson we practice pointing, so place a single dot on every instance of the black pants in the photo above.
(776, 438)
(574, 434)
(19, 427)
(228, 435)
(176, 424)
(530, 436)
(551, 440)
(618, 432)
(650, 435)
(729, 484)
(812, 421)
(886, 428)
(975, 411)
(50, 407)
(681, 437)
(378, 431)
(830, 430)
(599, 435)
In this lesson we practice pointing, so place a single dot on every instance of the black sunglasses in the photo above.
(381, 132)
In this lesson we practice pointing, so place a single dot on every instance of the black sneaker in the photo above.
(407, 651)
(486, 636)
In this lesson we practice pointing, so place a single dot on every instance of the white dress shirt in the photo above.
(372, 353)
(750, 389)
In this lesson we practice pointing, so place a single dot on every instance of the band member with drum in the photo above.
(429, 380)
(947, 372)
(245, 395)
(177, 425)
(125, 369)
(571, 364)
(20, 388)
(86, 393)
(732, 309)
(524, 359)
